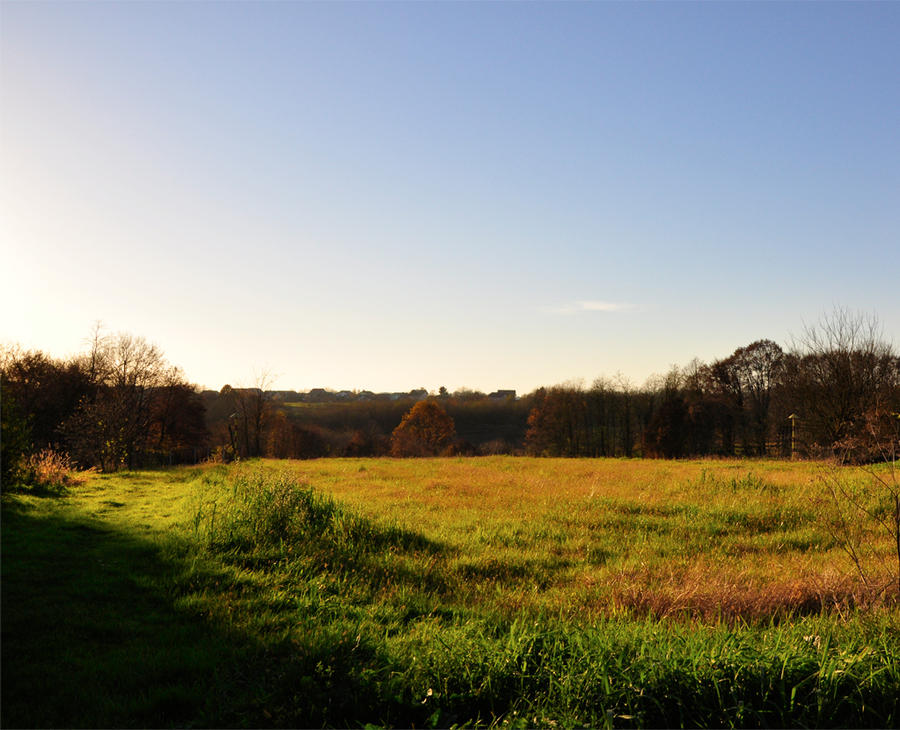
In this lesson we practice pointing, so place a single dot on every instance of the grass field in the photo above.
(507, 591)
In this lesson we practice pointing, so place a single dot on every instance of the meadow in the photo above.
(502, 591)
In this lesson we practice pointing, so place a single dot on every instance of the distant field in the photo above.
(500, 590)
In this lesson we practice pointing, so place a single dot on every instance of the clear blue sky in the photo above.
(491, 195)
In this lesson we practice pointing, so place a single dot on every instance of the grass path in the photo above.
(90, 634)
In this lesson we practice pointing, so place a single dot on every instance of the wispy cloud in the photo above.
(592, 305)
(595, 306)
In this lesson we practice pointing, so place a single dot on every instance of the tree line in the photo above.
(120, 404)
(841, 378)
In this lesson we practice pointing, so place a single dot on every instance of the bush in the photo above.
(50, 471)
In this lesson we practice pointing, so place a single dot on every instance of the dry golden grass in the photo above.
(50, 470)
(709, 538)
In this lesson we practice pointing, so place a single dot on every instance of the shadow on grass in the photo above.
(37, 490)
(93, 636)
(87, 639)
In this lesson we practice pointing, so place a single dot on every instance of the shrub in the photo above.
(50, 470)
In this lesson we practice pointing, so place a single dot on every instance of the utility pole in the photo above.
(793, 419)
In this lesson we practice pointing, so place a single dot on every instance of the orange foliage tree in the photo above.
(426, 430)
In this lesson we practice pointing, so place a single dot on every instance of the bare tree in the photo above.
(96, 362)
(843, 370)
(111, 427)
(250, 417)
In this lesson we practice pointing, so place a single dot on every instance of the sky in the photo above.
(389, 196)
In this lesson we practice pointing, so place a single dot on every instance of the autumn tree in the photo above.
(546, 434)
(557, 425)
(426, 430)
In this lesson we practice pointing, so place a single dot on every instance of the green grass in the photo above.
(500, 591)
(91, 633)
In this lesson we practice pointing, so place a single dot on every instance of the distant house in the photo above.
(503, 395)
(417, 395)
(319, 395)
(285, 396)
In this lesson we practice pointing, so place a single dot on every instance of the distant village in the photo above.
(326, 395)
